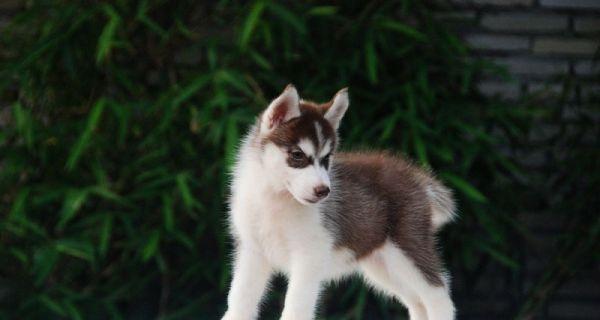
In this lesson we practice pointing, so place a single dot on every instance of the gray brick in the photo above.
(587, 68)
(589, 91)
(542, 221)
(581, 285)
(502, 3)
(571, 4)
(534, 159)
(544, 89)
(574, 310)
(459, 16)
(533, 67)
(567, 46)
(571, 112)
(543, 134)
(525, 22)
(497, 42)
(534, 266)
(585, 25)
(502, 89)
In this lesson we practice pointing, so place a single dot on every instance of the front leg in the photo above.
(304, 285)
(251, 274)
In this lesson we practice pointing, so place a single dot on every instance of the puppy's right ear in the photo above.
(282, 109)
(337, 109)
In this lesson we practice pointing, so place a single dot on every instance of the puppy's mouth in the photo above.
(312, 200)
(307, 201)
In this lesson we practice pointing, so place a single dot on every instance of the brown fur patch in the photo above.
(376, 196)
(288, 134)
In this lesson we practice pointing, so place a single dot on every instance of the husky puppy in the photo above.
(300, 208)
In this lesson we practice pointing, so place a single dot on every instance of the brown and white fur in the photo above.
(299, 208)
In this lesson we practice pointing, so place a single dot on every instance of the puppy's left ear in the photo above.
(339, 105)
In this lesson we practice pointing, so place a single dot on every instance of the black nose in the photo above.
(321, 191)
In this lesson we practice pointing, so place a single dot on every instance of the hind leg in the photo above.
(376, 272)
(438, 303)
(433, 297)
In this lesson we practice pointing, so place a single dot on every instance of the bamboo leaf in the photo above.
(107, 37)
(251, 22)
(322, 11)
(85, 137)
(465, 187)
(20, 255)
(371, 60)
(44, 260)
(288, 16)
(107, 194)
(389, 125)
(142, 16)
(76, 248)
(235, 80)
(17, 212)
(168, 215)
(24, 123)
(52, 305)
(122, 113)
(186, 194)
(151, 246)
(420, 148)
(185, 240)
(403, 29)
(72, 310)
(261, 60)
(73, 201)
(105, 234)
(498, 255)
(491, 226)
(189, 90)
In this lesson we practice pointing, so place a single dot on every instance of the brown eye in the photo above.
(297, 155)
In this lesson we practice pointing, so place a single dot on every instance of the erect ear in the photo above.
(338, 108)
(283, 108)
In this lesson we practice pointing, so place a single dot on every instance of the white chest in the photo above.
(282, 229)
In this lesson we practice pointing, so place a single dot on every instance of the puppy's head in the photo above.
(298, 140)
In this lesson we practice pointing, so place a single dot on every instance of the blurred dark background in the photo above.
(119, 121)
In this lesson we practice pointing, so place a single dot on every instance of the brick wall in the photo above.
(542, 43)
(538, 41)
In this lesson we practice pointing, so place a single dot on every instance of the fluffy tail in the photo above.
(442, 204)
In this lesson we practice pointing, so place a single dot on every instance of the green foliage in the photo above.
(125, 119)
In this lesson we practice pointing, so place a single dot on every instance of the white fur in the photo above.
(307, 147)
(391, 271)
(278, 231)
(326, 149)
(443, 209)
